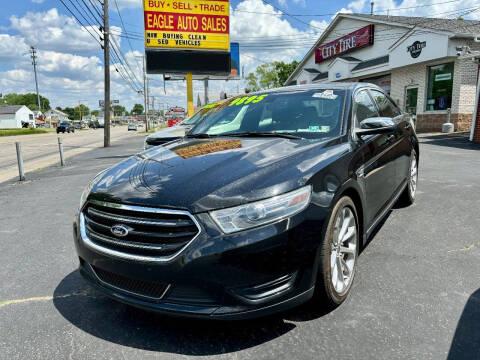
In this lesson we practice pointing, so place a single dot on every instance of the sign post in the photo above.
(190, 106)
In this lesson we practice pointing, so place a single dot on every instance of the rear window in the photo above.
(306, 113)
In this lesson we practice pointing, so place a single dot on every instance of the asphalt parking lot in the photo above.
(416, 294)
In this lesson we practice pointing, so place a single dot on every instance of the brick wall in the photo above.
(464, 86)
(432, 122)
(413, 75)
(463, 97)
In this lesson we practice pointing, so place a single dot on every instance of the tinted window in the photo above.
(385, 106)
(308, 113)
(363, 107)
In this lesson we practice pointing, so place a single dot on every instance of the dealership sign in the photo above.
(187, 24)
(355, 40)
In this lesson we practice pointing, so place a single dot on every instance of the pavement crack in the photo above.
(466, 248)
(44, 298)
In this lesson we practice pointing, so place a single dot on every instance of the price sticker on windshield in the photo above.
(248, 99)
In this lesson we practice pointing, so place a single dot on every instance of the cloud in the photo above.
(357, 5)
(58, 32)
(38, 1)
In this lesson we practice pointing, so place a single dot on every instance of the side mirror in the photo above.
(375, 125)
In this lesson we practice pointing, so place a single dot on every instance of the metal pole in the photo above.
(106, 52)
(60, 148)
(205, 82)
(190, 94)
(21, 172)
(145, 92)
(34, 62)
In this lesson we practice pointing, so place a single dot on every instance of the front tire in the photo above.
(338, 255)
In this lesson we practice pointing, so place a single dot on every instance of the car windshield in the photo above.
(305, 113)
(199, 115)
(64, 124)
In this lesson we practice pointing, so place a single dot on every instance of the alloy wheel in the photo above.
(413, 176)
(344, 250)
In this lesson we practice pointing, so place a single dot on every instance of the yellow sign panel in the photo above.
(187, 24)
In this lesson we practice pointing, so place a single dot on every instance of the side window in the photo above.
(363, 107)
(385, 106)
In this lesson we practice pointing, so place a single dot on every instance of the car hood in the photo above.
(204, 174)
(168, 133)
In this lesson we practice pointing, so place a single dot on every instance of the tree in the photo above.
(95, 112)
(84, 111)
(70, 112)
(270, 75)
(284, 70)
(137, 109)
(119, 110)
(30, 100)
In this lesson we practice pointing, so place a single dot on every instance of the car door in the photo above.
(378, 169)
(400, 142)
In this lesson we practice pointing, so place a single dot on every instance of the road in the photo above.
(41, 150)
(416, 294)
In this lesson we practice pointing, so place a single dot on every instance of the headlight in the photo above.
(88, 188)
(85, 194)
(262, 212)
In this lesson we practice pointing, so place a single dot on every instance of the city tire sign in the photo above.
(350, 42)
(187, 24)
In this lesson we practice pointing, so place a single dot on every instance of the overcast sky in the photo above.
(70, 61)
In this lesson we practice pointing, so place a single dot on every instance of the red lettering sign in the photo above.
(355, 40)
(186, 22)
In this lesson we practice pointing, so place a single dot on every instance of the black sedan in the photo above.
(65, 127)
(263, 206)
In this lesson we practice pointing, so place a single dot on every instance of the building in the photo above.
(15, 116)
(55, 116)
(419, 61)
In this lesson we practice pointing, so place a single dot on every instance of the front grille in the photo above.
(139, 288)
(151, 232)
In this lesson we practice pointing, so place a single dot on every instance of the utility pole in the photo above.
(33, 55)
(145, 92)
(106, 57)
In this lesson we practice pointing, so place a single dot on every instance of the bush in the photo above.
(13, 132)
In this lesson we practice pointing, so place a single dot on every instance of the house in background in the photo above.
(14, 116)
(53, 117)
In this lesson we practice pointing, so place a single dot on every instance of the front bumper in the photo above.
(242, 275)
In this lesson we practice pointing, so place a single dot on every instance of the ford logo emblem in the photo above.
(120, 230)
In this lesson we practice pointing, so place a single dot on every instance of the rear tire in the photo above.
(408, 195)
(338, 255)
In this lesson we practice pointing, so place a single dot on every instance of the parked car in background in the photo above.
(261, 207)
(132, 127)
(179, 130)
(65, 127)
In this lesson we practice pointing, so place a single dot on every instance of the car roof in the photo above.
(334, 86)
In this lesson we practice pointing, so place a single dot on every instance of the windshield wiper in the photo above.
(200, 136)
(264, 134)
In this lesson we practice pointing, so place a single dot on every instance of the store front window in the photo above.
(440, 84)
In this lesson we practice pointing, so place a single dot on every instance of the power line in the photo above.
(125, 30)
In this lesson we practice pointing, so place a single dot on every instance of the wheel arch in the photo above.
(354, 194)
